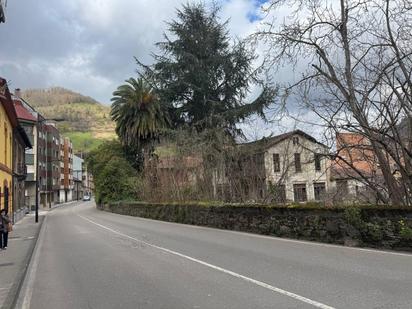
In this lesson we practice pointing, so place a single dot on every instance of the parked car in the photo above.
(86, 198)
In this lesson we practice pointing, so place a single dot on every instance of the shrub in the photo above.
(405, 231)
(353, 216)
(374, 231)
(115, 177)
(116, 181)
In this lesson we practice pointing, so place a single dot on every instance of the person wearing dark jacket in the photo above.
(4, 229)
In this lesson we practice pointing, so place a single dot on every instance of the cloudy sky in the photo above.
(88, 45)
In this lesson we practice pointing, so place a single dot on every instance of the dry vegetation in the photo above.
(86, 121)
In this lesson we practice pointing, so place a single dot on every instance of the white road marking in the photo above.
(229, 272)
(273, 238)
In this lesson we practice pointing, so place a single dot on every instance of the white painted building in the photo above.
(77, 174)
(297, 167)
(291, 167)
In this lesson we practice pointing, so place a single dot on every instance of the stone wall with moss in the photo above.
(378, 227)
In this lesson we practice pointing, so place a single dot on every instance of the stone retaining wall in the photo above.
(372, 227)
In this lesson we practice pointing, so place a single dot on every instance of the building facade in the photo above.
(21, 142)
(355, 169)
(88, 183)
(27, 118)
(66, 170)
(8, 121)
(297, 168)
(49, 163)
(291, 167)
(78, 166)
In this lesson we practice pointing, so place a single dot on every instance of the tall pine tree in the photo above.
(202, 75)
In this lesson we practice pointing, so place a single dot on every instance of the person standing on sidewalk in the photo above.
(4, 229)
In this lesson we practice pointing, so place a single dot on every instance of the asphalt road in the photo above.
(86, 258)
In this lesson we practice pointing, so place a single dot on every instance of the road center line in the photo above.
(229, 272)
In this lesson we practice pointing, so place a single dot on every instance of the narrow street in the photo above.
(86, 258)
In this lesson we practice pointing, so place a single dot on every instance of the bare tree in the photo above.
(358, 78)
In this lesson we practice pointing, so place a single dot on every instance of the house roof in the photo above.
(22, 112)
(6, 101)
(268, 142)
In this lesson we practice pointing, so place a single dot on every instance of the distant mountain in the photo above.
(55, 96)
(86, 121)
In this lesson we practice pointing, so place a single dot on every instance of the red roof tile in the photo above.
(22, 112)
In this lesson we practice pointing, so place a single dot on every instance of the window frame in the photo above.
(297, 162)
(300, 197)
(318, 195)
(276, 163)
(318, 162)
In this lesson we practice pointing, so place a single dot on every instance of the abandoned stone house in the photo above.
(291, 167)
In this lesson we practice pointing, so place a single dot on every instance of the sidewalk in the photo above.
(44, 211)
(14, 260)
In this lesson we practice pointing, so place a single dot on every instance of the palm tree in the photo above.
(139, 115)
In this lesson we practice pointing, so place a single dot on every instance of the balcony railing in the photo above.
(21, 170)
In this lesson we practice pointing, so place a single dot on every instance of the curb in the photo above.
(20, 297)
(14, 292)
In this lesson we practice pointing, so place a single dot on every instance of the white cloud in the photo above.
(88, 45)
(53, 42)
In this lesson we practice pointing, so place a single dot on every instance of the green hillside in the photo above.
(85, 121)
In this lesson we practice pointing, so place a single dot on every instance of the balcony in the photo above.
(20, 171)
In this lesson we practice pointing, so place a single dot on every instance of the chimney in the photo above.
(17, 92)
